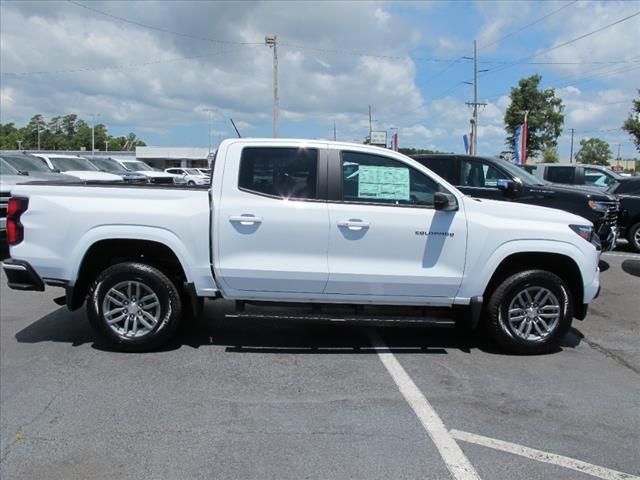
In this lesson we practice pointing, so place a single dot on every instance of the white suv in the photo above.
(192, 176)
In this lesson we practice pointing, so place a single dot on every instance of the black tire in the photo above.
(191, 183)
(634, 239)
(504, 333)
(168, 310)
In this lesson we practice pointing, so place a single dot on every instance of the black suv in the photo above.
(627, 189)
(501, 180)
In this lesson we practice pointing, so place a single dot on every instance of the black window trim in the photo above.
(321, 177)
(336, 179)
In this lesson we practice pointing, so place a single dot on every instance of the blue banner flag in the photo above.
(465, 139)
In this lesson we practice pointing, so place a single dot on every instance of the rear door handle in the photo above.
(353, 224)
(245, 219)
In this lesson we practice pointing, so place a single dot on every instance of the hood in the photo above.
(93, 175)
(519, 211)
(593, 192)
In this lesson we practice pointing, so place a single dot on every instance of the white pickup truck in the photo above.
(344, 230)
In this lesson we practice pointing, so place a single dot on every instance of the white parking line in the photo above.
(625, 255)
(450, 451)
(540, 456)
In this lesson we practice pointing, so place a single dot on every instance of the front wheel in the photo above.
(634, 237)
(529, 312)
(134, 307)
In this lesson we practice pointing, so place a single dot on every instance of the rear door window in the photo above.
(561, 174)
(280, 172)
(443, 166)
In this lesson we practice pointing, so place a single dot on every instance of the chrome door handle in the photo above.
(353, 224)
(245, 219)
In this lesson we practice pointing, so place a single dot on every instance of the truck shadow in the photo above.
(261, 336)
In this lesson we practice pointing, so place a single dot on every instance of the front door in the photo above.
(271, 224)
(386, 239)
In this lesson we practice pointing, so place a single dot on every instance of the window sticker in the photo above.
(383, 183)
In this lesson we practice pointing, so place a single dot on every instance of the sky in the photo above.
(173, 71)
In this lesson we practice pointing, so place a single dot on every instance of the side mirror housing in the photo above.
(445, 202)
(508, 186)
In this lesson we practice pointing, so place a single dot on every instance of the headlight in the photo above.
(598, 206)
(584, 231)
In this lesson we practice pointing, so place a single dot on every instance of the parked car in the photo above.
(77, 166)
(192, 176)
(628, 191)
(109, 165)
(10, 177)
(575, 174)
(34, 167)
(333, 224)
(499, 179)
(153, 175)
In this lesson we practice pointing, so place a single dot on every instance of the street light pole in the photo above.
(106, 145)
(93, 136)
(272, 42)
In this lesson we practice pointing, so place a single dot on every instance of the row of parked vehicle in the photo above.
(610, 201)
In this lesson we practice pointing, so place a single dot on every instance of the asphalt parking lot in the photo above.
(251, 399)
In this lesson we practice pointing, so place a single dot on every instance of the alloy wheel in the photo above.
(131, 309)
(534, 313)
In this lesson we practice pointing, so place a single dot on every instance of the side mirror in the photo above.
(507, 186)
(57, 170)
(445, 202)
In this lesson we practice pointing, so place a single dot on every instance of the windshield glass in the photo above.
(136, 165)
(26, 163)
(6, 169)
(522, 175)
(65, 164)
(108, 165)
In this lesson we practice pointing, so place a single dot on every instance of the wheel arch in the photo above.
(106, 252)
(559, 264)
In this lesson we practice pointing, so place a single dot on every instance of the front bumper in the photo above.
(22, 276)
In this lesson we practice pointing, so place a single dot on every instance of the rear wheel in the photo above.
(529, 312)
(134, 307)
(634, 237)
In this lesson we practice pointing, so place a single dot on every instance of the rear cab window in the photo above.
(560, 174)
(279, 172)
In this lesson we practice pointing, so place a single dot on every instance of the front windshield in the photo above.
(6, 169)
(519, 173)
(108, 165)
(66, 164)
(136, 165)
(26, 163)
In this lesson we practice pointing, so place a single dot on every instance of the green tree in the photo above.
(632, 123)
(9, 136)
(35, 128)
(594, 151)
(550, 155)
(545, 118)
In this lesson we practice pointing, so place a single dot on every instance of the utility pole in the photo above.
(571, 155)
(475, 104)
(93, 136)
(618, 160)
(272, 42)
(38, 127)
(210, 117)
(106, 145)
(369, 124)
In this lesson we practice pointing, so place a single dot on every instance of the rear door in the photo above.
(386, 240)
(271, 220)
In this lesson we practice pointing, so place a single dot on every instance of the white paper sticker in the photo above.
(384, 183)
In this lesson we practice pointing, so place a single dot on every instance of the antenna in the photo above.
(235, 128)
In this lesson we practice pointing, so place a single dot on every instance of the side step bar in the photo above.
(433, 321)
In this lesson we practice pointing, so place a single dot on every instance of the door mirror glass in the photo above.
(506, 185)
(445, 202)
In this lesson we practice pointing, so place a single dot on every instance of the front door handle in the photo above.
(245, 219)
(353, 224)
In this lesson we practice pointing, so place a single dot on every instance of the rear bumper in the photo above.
(22, 276)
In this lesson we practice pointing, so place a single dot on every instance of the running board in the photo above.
(432, 321)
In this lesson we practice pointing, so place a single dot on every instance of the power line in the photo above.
(159, 29)
(365, 54)
(564, 44)
(120, 66)
(524, 27)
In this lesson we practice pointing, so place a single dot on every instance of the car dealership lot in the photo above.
(258, 399)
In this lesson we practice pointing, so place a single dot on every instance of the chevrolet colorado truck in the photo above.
(345, 230)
